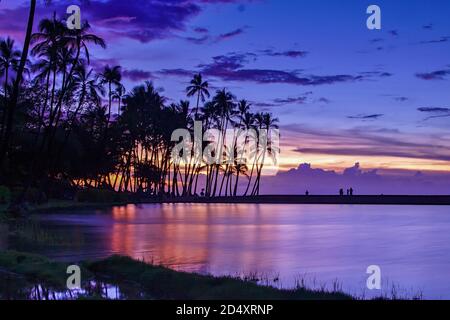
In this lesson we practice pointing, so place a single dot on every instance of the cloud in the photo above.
(440, 40)
(368, 141)
(206, 37)
(141, 20)
(291, 100)
(437, 112)
(230, 34)
(323, 100)
(288, 53)
(435, 75)
(201, 30)
(393, 33)
(231, 67)
(401, 99)
(433, 109)
(366, 116)
(363, 181)
(137, 75)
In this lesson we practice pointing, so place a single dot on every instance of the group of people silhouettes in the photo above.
(349, 192)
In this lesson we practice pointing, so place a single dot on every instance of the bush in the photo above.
(5, 195)
(100, 196)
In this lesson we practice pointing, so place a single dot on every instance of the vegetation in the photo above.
(67, 126)
(155, 282)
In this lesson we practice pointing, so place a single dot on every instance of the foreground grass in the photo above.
(154, 282)
(36, 269)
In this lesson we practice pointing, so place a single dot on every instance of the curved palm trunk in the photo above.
(15, 94)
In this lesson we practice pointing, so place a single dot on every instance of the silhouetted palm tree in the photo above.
(119, 95)
(199, 88)
(111, 76)
(268, 123)
(225, 108)
(12, 105)
(9, 60)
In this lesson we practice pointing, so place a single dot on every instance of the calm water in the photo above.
(320, 243)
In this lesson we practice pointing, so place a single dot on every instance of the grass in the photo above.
(153, 282)
(36, 269)
(164, 283)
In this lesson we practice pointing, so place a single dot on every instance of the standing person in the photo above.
(351, 191)
(341, 192)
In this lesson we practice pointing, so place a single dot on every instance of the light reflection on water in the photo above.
(411, 244)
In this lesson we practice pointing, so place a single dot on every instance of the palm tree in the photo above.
(247, 121)
(225, 107)
(86, 87)
(111, 76)
(268, 123)
(49, 43)
(9, 59)
(200, 88)
(15, 93)
(119, 95)
(258, 121)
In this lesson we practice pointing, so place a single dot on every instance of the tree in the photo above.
(111, 76)
(199, 88)
(15, 94)
(9, 59)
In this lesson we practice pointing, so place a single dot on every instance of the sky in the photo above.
(344, 94)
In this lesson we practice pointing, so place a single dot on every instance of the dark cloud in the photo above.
(201, 30)
(288, 53)
(440, 40)
(435, 75)
(366, 116)
(433, 109)
(297, 100)
(436, 112)
(198, 40)
(137, 75)
(401, 99)
(141, 20)
(231, 68)
(393, 33)
(428, 26)
(376, 74)
(323, 100)
(230, 34)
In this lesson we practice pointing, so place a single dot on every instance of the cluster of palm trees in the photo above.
(58, 129)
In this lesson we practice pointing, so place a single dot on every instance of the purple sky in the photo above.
(343, 93)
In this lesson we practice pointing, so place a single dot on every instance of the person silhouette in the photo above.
(307, 193)
(202, 194)
(341, 192)
(351, 191)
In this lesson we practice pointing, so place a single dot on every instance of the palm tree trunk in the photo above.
(15, 94)
(3, 123)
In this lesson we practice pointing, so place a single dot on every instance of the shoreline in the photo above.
(319, 199)
(419, 200)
